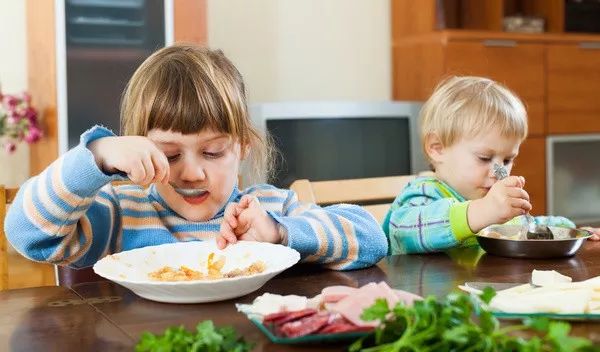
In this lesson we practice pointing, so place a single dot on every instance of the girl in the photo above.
(467, 125)
(187, 130)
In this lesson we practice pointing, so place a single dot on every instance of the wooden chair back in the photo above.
(373, 194)
(7, 196)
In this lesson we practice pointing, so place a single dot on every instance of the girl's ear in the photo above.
(434, 148)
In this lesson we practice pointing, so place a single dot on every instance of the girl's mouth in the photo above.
(192, 195)
(190, 192)
(196, 199)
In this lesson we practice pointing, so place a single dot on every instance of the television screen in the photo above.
(340, 148)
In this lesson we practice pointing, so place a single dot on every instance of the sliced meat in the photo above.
(353, 305)
(340, 327)
(388, 293)
(284, 317)
(305, 326)
(335, 293)
(407, 297)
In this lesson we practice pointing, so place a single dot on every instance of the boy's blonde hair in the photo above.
(186, 88)
(466, 106)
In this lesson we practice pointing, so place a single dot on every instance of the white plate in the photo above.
(131, 269)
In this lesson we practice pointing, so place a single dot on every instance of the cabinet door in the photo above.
(531, 164)
(519, 66)
(573, 88)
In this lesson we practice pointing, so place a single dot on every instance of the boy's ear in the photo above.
(434, 147)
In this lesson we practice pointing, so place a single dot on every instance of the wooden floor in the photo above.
(23, 272)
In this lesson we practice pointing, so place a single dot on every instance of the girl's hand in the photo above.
(136, 156)
(595, 233)
(247, 220)
(505, 200)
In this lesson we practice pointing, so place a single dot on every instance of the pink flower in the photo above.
(18, 120)
(10, 101)
(31, 115)
(10, 147)
(26, 97)
(33, 135)
(12, 119)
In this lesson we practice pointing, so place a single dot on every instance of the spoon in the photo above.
(534, 231)
(187, 192)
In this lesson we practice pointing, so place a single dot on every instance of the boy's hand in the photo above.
(136, 156)
(505, 200)
(247, 220)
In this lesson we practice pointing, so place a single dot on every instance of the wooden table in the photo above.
(103, 316)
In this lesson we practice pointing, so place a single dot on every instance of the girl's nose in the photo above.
(192, 171)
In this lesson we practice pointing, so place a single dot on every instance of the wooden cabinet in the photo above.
(531, 164)
(573, 88)
(519, 66)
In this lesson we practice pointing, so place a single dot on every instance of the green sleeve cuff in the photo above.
(458, 221)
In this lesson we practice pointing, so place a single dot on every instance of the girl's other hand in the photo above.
(248, 221)
(136, 156)
(505, 200)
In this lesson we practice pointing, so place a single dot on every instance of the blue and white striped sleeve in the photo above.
(64, 215)
(340, 237)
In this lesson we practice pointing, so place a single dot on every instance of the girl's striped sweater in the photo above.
(71, 214)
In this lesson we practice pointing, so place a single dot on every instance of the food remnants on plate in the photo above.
(213, 271)
(336, 309)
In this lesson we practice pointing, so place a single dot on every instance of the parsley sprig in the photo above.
(461, 322)
(206, 338)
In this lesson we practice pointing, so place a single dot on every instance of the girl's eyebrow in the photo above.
(177, 143)
(165, 142)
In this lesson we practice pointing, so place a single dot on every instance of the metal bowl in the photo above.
(511, 241)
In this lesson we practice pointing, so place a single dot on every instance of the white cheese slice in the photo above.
(268, 303)
(548, 277)
(574, 301)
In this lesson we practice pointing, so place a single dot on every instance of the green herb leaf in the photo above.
(207, 338)
(460, 323)
(487, 295)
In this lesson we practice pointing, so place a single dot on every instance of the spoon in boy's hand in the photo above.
(534, 231)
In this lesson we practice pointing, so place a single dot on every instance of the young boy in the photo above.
(467, 125)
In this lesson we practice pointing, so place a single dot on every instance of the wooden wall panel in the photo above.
(417, 67)
(41, 66)
(573, 86)
(190, 21)
(417, 17)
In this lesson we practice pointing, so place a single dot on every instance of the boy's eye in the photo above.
(172, 158)
(485, 159)
(508, 161)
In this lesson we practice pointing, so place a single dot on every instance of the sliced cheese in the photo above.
(548, 277)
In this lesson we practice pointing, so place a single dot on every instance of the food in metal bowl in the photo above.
(512, 241)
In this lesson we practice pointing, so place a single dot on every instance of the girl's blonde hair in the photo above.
(186, 88)
(466, 106)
